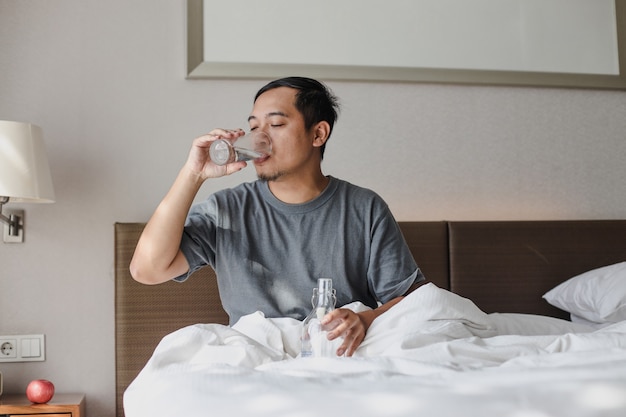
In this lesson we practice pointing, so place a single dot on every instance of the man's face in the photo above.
(274, 113)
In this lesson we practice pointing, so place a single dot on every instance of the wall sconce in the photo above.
(24, 174)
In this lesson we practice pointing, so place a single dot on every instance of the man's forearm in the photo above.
(368, 317)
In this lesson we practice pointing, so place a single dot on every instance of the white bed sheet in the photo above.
(434, 353)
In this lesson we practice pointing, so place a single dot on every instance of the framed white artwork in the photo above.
(558, 43)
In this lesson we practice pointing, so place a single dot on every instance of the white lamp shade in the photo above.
(24, 170)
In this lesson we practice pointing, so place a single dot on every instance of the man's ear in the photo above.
(321, 131)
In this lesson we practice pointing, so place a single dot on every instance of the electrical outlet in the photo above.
(8, 348)
(22, 348)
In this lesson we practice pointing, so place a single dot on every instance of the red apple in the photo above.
(40, 391)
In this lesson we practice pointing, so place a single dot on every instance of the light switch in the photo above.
(30, 348)
(35, 349)
(25, 351)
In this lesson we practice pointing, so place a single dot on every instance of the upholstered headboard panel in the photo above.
(506, 266)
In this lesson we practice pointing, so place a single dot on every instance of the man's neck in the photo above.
(298, 190)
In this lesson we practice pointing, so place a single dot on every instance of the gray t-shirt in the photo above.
(268, 254)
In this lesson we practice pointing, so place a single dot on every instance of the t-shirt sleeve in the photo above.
(198, 241)
(392, 268)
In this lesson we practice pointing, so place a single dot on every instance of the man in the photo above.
(270, 240)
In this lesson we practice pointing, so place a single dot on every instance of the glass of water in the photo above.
(250, 147)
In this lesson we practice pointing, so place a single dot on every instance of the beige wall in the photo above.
(105, 81)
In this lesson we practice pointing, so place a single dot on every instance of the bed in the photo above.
(519, 318)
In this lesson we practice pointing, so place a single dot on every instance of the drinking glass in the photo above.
(252, 146)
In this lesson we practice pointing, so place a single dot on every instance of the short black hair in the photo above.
(314, 100)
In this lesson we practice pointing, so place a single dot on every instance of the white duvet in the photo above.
(433, 354)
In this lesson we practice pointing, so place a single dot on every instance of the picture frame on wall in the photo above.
(551, 43)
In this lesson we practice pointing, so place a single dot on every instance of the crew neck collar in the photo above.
(311, 205)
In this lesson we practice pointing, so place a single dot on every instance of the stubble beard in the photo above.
(270, 177)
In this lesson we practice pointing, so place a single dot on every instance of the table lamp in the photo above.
(24, 174)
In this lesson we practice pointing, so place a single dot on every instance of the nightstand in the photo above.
(61, 405)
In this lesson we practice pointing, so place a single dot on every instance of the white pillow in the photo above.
(598, 295)
(534, 325)
(579, 320)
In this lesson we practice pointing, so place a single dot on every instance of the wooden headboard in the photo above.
(506, 266)
(503, 266)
